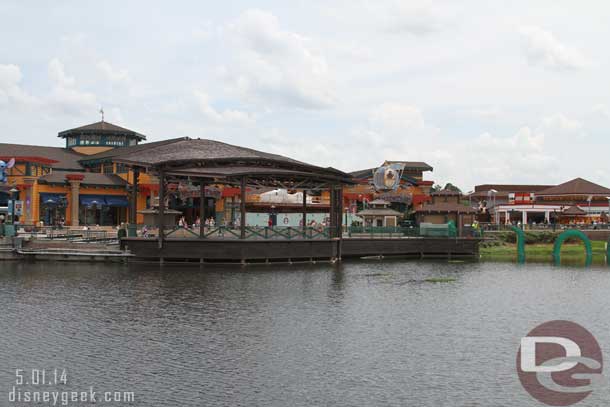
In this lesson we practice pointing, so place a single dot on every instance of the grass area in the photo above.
(439, 280)
(543, 252)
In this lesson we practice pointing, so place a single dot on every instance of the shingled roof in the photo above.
(120, 151)
(210, 152)
(577, 186)
(188, 149)
(90, 178)
(100, 128)
(574, 211)
(368, 174)
(445, 207)
(58, 157)
(408, 165)
(413, 165)
(446, 192)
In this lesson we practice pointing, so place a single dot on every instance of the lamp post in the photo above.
(470, 198)
(493, 193)
(13, 192)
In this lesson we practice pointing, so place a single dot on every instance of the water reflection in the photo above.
(355, 333)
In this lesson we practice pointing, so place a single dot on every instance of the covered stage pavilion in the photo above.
(207, 162)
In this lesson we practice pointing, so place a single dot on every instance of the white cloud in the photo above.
(10, 86)
(277, 67)
(523, 141)
(419, 18)
(602, 110)
(113, 74)
(543, 49)
(225, 117)
(484, 112)
(559, 124)
(65, 97)
(397, 116)
(58, 75)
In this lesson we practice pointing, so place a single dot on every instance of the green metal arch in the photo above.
(570, 234)
(520, 243)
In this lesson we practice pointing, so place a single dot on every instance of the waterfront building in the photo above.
(412, 190)
(379, 214)
(83, 184)
(76, 184)
(575, 201)
(445, 206)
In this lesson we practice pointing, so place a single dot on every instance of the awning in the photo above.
(51, 199)
(117, 200)
(90, 200)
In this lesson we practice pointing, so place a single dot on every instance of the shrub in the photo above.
(531, 237)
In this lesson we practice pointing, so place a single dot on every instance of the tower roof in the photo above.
(101, 127)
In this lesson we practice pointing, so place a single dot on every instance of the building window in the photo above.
(121, 169)
(117, 141)
(107, 168)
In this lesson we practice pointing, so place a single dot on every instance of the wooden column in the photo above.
(133, 210)
(242, 224)
(304, 211)
(161, 208)
(339, 211)
(232, 212)
(333, 205)
(202, 203)
(74, 202)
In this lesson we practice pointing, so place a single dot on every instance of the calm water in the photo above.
(359, 334)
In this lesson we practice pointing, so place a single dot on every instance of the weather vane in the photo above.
(102, 113)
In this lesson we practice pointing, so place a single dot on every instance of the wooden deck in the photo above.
(222, 250)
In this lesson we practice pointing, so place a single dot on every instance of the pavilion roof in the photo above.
(120, 151)
(574, 211)
(202, 158)
(577, 186)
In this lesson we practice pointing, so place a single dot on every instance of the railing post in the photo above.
(161, 208)
(202, 203)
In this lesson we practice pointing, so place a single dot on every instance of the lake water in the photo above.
(355, 334)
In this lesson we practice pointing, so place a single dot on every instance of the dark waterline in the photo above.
(356, 334)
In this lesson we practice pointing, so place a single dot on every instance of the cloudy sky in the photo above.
(485, 92)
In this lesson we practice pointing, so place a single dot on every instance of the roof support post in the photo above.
(304, 212)
(333, 209)
(242, 225)
(161, 208)
(202, 202)
(133, 210)
(339, 212)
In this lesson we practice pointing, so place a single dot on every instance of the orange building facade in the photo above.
(78, 184)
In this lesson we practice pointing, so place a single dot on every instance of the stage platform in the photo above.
(262, 251)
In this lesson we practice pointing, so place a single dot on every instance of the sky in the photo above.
(485, 92)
